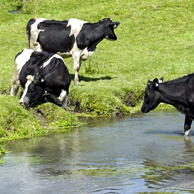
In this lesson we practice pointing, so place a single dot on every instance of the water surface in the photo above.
(127, 154)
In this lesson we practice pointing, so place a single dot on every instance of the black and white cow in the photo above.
(39, 74)
(178, 92)
(68, 38)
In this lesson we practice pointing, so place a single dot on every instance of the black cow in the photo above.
(39, 74)
(67, 38)
(179, 93)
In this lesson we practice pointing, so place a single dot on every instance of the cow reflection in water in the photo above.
(179, 93)
(40, 74)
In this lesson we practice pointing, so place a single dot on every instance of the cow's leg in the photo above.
(187, 125)
(64, 104)
(15, 83)
(33, 44)
(76, 64)
(36, 46)
(15, 87)
(61, 100)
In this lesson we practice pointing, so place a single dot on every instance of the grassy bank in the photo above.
(155, 39)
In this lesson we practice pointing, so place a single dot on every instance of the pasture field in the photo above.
(155, 39)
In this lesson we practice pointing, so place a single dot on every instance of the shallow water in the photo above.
(141, 153)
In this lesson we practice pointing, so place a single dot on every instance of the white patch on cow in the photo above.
(62, 95)
(61, 100)
(30, 78)
(76, 26)
(115, 26)
(34, 35)
(64, 55)
(85, 54)
(20, 61)
(23, 58)
(187, 133)
(49, 60)
(160, 81)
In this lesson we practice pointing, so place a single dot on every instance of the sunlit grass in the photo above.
(155, 39)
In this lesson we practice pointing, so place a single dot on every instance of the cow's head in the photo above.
(110, 35)
(152, 95)
(34, 90)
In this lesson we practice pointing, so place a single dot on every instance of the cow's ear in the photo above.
(161, 80)
(156, 84)
(115, 24)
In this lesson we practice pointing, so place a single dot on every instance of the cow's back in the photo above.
(55, 36)
(35, 61)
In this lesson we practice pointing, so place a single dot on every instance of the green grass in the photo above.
(16, 122)
(155, 39)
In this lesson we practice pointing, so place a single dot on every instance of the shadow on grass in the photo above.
(90, 79)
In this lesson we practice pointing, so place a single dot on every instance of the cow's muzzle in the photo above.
(25, 102)
(144, 110)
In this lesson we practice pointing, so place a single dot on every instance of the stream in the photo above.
(142, 153)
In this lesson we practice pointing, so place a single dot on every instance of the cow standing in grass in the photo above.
(40, 74)
(178, 92)
(68, 38)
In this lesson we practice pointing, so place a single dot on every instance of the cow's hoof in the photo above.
(77, 82)
(187, 133)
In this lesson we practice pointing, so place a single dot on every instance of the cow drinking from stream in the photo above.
(68, 38)
(178, 93)
(40, 74)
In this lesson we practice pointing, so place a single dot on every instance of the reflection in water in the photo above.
(142, 153)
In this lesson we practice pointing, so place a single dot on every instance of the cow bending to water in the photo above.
(39, 74)
(67, 38)
(179, 93)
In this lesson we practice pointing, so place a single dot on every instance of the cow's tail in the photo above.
(28, 29)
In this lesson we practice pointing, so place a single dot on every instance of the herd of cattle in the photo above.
(41, 71)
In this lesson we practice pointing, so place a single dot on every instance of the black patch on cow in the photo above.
(55, 36)
(36, 60)
(93, 33)
(89, 36)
